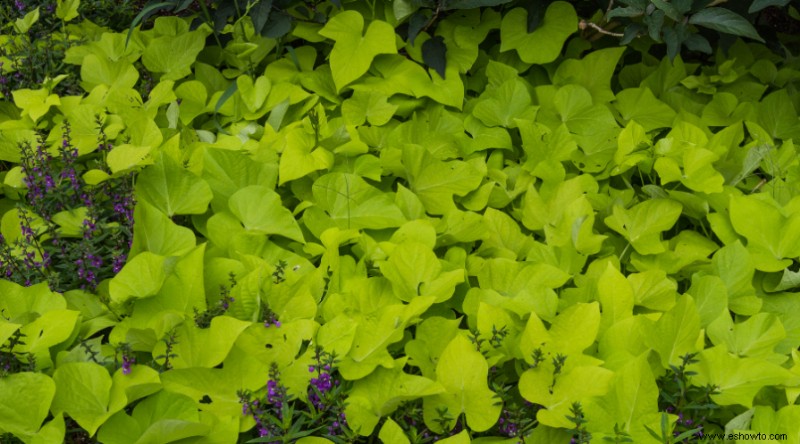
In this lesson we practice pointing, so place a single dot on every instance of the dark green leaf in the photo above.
(535, 10)
(417, 21)
(628, 11)
(673, 42)
(758, 5)
(183, 6)
(631, 32)
(725, 20)
(278, 25)
(682, 6)
(337, 3)
(655, 22)
(639, 4)
(260, 14)
(433, 54)
(221, 16)
(471, 4)
(696, 42)
(668, 8)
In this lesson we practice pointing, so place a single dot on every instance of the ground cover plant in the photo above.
(397, 221)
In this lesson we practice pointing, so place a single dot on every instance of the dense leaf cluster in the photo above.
(476, 228)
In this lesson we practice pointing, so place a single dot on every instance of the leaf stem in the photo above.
(584, 24)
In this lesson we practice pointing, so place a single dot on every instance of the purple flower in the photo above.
(118, 262)
(20, 5)
(126, 364)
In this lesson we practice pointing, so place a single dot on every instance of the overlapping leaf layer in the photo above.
(529, 226)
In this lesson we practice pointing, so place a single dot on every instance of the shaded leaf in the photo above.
(724, 20)
(434, 53)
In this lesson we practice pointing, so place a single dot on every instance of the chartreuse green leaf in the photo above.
(562, 337)
(564, 213)
(462, 371)
(7, 329)
(182, 290)
(142, 381)
(404, 76)
(97, 70)
(615, 294)
(414, 270)
(206, 347)
(51, 328)
(67, 9)
(380, 393)
(765, 420)
(140, 277)
(168, 417)
(777, 115)
(538, 383)
(641, 106)
(301, 155)
(372, 107)
(194, 100)
(391, 433)
(23, 24)
(592, 72)
(556, 394)
(353, 51)
(643, 223)
(51, 433)
(773, 237)
(126, 156)
(227, 171)
(25, 400)
(253, 93)
(432, 336)
(250, 358)
(518, 287)
(502, 105)
(589, 121)
(546, 149)
(35, 103)
(18, 301)
(631, 402)
(220, 385)
(683, 250)
(172, 189)
(695, 170)
(173, 55)
(436, 182)
(711, 297)
(376, 330)
(653, 289)
(352, 203)
(756, 337)
(84, 393)
(787, 280)
(544, 44)
(261, 211)
(675, 333)
(738, 379)
(337, 335)
(734, 265)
